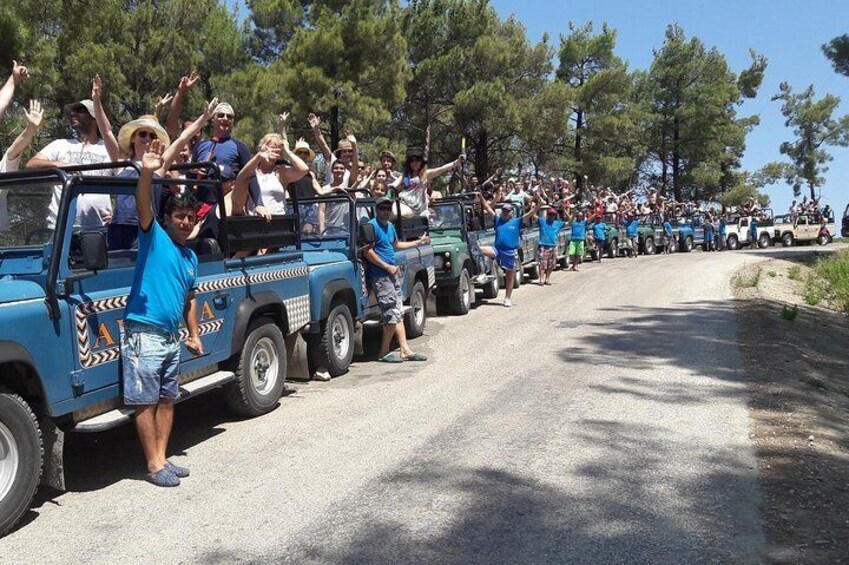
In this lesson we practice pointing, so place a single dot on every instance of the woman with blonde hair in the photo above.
(412, 186)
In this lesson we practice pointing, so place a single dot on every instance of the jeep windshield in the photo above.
(24, 209)
(446, 216)
(324, 218)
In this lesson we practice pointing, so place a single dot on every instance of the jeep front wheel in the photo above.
(461, 298)
(336, 348)
(20, 459)
(416, 318)
(688, 245)
(492, 288)
(649, 247)
(613, 249)
(763, 241)
(823, 239)
(260, 370)
(733, 243)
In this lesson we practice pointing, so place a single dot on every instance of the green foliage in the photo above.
(837, 51)
(831, 280)
(693, 134)
(771, 274)
(748, 281)
(794, 273)
(789, 313)
(746, 186)
(815, 129)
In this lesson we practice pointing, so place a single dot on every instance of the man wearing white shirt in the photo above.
(93, 210)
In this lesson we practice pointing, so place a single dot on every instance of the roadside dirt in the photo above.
(799, 377)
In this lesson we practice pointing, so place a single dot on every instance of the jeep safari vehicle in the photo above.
(333, 236)
(63, 296)
(737, 230)
(615, 239)
(844, 228)
(452, 229)
(804, 229)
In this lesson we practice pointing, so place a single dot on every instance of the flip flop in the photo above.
(415, 357)
(163, 478)
(390, 358)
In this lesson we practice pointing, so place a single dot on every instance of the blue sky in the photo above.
(788, 32)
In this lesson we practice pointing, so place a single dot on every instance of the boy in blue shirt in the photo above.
(385, 278)
(600, 238)
(508, 233)
(578, 239)
(163, 294)
(631, 226)
(549, 227)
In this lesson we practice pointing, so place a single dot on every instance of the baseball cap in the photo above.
(383, 200)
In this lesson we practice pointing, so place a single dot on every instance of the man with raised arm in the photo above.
(7, 92)
(163, 294)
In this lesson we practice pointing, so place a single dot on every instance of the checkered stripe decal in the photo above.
(298, 311)
(431, 276)
(85, 309)
(114, 352)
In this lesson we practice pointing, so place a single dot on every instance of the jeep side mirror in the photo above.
(367, 235)
(94, 251)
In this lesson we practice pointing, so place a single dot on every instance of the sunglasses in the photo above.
(144, 134)
(222, 115)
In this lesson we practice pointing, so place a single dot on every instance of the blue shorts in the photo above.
(150, 364)
(506, 259)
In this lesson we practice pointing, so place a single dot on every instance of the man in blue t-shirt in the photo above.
(753, 233)
(632, 224)
(163, 294)
(549, 227)
(600, 237)
(668, 237)
(385, 278)
(578, 239)
(721, 232)
(508, 237)
(225, 150)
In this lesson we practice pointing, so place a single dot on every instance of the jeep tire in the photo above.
(733, 243)
(416, 318)
(492, 288)
(21, 453)
(613, 249)
(649, 247)
(336, 343)
(260, 370)
(823, 240)
(787, 240)
(763, 241)
(688, 244)
(462, 296)
(533, 273)
(518, 274)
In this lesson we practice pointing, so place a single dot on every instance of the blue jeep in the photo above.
(333, 235)
(63, 296)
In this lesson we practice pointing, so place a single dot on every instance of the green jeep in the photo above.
(615, 240)
(457, 273)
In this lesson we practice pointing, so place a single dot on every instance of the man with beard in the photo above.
(94, 211)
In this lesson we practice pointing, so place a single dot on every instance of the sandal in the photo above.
(415, 357)
(390, 358)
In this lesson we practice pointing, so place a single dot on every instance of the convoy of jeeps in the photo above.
(301, 308)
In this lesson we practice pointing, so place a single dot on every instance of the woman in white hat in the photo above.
(134, 138)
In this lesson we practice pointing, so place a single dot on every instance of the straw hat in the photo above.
(302, 145)
(125, 134)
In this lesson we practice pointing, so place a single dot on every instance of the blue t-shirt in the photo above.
(753, 227)
(548, 231)
(225, 151)
(667, 229)
(384, 246)
(579, 230)
(631, 227)
(600, 230)
(507, 233)
(722, 226)
(165, 273)
(125, 204)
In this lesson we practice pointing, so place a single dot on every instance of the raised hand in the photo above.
(282, 120)
(152, 158)
(189, 82)
(163, 101)
(349, 135)
(314, 120)
(34, 114)
(19, 72)
(210, 108)
(96, 87)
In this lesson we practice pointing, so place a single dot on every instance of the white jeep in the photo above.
(737, 231)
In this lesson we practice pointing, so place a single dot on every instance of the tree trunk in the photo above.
(579, 154)
(481, 155)
(334, 127)
(676, 161)
(426, 148)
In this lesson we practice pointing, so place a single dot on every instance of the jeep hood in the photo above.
(14, 290)
(440, 240)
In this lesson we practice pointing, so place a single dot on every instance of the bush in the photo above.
(749, 282)
(833, 275)
(794, 273)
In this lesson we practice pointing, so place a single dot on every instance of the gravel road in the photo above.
(600, 420)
